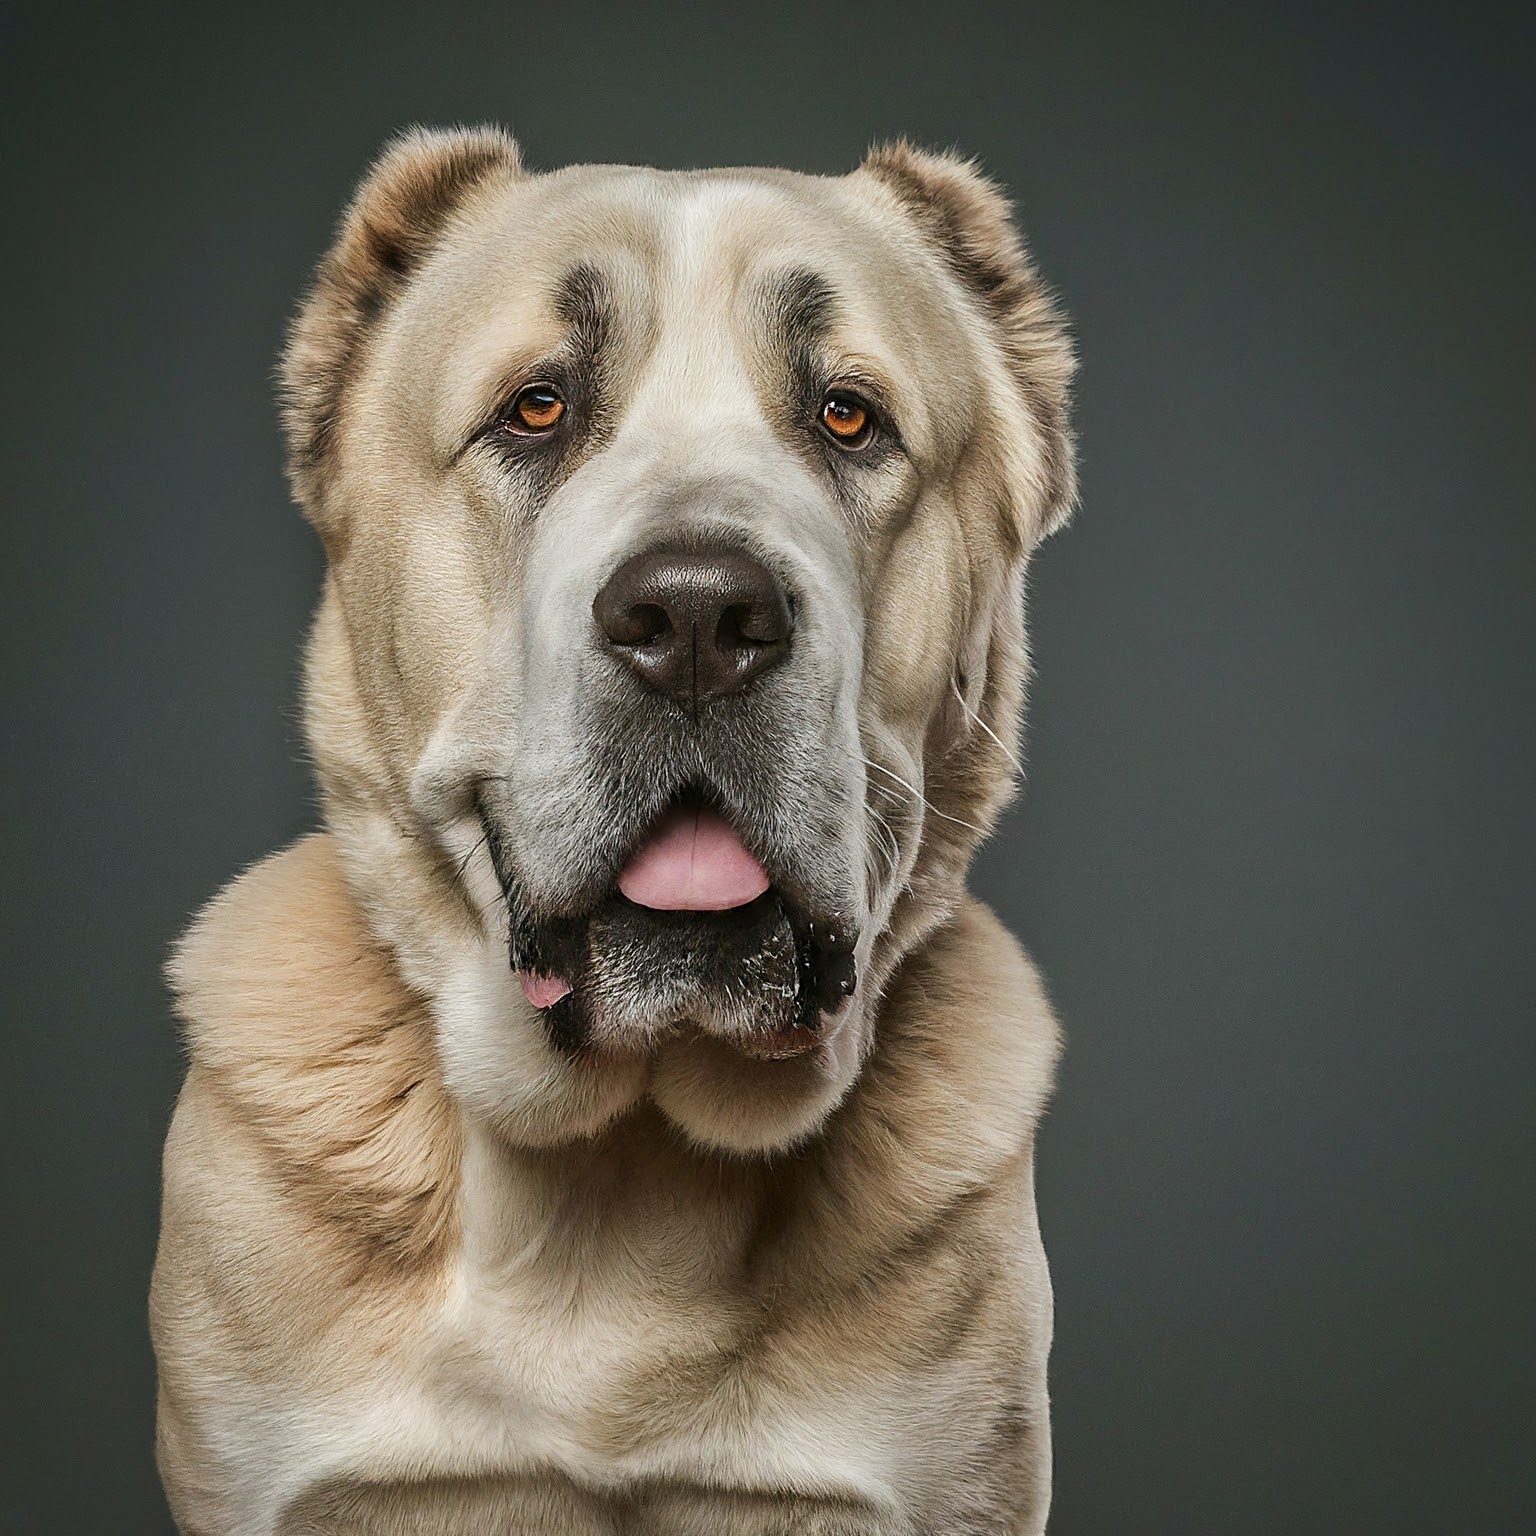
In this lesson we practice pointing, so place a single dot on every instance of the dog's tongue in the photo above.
(695, 861)
(541, 990)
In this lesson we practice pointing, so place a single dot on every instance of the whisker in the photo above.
(922, 799)
(886, 841)
(1002, 746)
(500, 899)
(463, 864)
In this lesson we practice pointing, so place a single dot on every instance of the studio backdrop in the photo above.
(1274, 852)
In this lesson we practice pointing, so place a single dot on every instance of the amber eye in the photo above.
(536, 409)
(850, 422)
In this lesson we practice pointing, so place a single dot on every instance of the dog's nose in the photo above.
(695, 621)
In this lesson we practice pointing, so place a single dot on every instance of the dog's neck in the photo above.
(297, 1009)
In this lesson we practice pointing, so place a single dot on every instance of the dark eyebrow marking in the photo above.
(582, 303)
(801, 305)
(578, 367)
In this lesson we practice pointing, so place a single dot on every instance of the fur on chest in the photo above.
(358, 1283)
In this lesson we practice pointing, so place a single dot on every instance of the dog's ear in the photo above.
(391, 226)
(969, 219)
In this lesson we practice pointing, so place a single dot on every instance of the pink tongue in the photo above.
(542, 991)
(693, 862)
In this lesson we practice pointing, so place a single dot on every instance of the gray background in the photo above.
(1275, 854)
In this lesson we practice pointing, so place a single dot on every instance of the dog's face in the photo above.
(675, 524)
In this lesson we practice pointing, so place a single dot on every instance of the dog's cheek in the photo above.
(915, 632)
(418, 609)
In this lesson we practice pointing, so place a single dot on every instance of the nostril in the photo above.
(641, 624)
(748, 624)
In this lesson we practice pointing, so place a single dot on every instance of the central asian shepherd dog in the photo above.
(619, 1118)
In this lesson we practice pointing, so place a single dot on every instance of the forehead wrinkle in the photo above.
(693, 359)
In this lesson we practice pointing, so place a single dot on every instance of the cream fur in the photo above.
(419, 1270)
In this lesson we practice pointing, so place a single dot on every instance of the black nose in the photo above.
(695, 621)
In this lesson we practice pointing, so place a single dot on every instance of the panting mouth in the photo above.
(694, 934)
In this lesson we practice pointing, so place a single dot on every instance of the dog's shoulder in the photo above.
(298, 1021)
(311, 1176)
(969, 1043)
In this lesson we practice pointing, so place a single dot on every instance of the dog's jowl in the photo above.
(619, 1118)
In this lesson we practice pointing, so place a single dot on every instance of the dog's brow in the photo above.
(581, 301)
(801, 304)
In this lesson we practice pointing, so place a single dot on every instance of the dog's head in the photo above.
(671, 656)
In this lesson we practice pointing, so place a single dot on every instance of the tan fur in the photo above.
(892, 1239)
(297, 1020)
(387, 1300)
(967, 216)
(412, 192)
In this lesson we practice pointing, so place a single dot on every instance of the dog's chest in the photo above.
(614, 1341)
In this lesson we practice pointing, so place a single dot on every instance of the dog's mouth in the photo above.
(695, 933)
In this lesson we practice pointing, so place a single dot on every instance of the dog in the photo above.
(619, 1118)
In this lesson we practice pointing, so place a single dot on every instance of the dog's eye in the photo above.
(535, 410)
(848, 420)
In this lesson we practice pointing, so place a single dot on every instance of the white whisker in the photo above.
(1002, 746)
(886, 842)
(923, 800)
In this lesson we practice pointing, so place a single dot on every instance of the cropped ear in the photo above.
(968, 218)
(391, 227)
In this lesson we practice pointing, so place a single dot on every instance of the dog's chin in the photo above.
(763, 978)
(735, 975)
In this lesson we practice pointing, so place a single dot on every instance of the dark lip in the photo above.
(830, 948)
(721, 944)
(826, 927)
(829, 973)
(559, 943)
